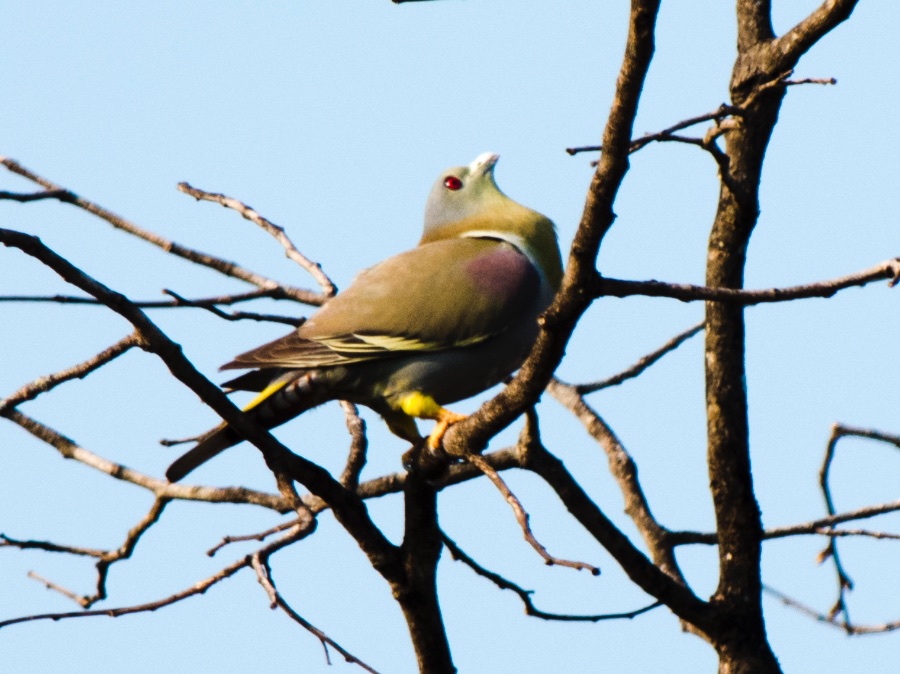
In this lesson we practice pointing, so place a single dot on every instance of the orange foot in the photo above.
(445, 419)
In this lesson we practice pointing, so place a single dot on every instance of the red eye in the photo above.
(452, 183)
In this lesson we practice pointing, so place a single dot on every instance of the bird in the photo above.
(426, 328)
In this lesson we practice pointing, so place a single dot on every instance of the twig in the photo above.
(642, 364)
(359, 444)
(810, 80)
(234, 315)
(149, 304)
(69, 449)
(248, 213)
(43, 384)
(222, 266)
(865, 533)
(261, 536)
(47, 546)
(33, 196)
(80, 599)
(197, 588)
(830, 619)
(820, 527)
(845, 583)
(260, 564)
(522, 517)
(889, 269)
(525, 595)
(720, 113)
(106, 557)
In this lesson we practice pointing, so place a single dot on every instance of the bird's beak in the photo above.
(484, 163)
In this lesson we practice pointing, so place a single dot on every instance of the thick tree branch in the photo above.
(800, 39)
(572, 301)
(646, 575)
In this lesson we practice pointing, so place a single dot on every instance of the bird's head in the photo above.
(466, 202)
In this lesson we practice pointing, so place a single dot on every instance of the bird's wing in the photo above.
(445, 294)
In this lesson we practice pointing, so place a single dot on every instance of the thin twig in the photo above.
(248, 213)
(23, 197)
(260, 564)
(642, 364)
(69, 449)
(202, 302)
(720, 113)
(196, 589)
(43, 384)
(525, 595)
(222, 266)
(830, 619)
(610, 287)
(845, 583)
(234, 315)
(522, 517)
(260, 536)
(820, 527)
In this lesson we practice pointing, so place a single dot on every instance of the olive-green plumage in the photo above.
(428, 327)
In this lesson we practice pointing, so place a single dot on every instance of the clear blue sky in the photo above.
(333, 119)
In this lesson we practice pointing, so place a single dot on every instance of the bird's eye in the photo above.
(452, 183)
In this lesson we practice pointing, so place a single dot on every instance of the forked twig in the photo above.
(525, 595)
(290, 250)
(522, 517)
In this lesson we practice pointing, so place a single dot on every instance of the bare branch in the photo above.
(222, 266)
(830, 619)
(69, 449)
(47, 546)
(525, 595)
(260, 536)
(260, 564)
(522, 517)
(717, 115)
(820, 527)
(196, 589)
(845, 583)
(248, 213)
(80, 371)
(558, 322)
(234, 315)
(889, 269)
(148, 304)
(359, 444)
(638, 368)
(800, 39)
(33, 196)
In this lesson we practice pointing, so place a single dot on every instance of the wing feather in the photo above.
(440, 295)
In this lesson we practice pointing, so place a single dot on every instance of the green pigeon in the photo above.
(431, 326)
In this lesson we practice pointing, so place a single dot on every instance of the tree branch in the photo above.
(222, 266)
(525, 595)
(610, 287)
(290, 250)
(572, 301)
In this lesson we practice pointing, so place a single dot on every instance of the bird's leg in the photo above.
(423, 406)
(445, 419)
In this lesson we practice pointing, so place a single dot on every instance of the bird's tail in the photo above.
(283, 399)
